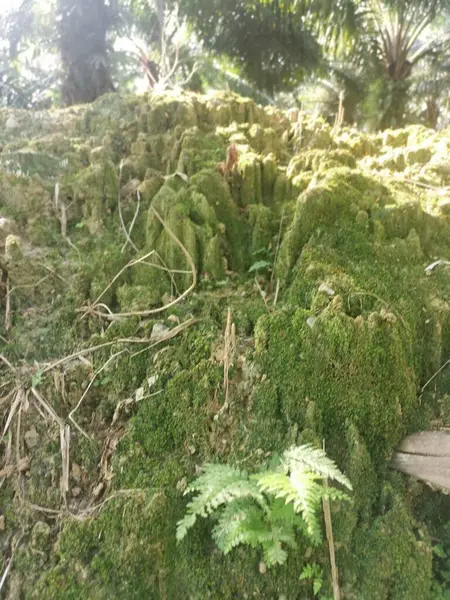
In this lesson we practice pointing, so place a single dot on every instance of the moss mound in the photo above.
(165, 304)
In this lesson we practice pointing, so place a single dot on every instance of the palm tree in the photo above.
(83, 29)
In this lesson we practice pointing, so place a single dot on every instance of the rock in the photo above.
(98, 489)
(11, 123)
(76, 491)
(7, 227)
(325, 289)
(13, 250)
(182, 484)
(24, 464)
(76, 472)
(2, 522)
(31, 438)
(159, 330)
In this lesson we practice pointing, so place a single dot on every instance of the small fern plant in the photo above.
(265, 509)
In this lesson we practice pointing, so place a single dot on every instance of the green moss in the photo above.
(251, 185)
(262, 226)
(269, 176)
(319, 160)
(217, 193)
(418, 155)
(395, 138)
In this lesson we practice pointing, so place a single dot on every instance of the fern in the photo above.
(307, 457)
(241, 522)
(265, 509)
(218, 485)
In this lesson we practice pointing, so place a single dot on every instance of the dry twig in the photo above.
(329, 532)
(92, 309)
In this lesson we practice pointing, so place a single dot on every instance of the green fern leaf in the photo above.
(274, 554)
(307, 457)
(217, 486)
(240, 522)
(184, 525)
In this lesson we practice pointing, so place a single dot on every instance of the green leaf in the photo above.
(439, 551)
(259, 266)
(317, 584)
(37, 378)
(274, 554)
(315, 460)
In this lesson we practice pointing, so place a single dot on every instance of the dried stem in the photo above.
(138, 196)
(329, 532)
(119, 205)
(8, 319)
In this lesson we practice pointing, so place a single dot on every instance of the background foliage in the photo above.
(390, 59)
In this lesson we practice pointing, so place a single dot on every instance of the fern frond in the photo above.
(307, 457)
(274, 554)
(184, 525)
(300, 489)
(217, 486)
(308, 502)
(240, 522)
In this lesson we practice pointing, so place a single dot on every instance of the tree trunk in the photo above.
(83, 28)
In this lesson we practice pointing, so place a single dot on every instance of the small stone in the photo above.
(31, 438)
(24, 464)
(182, 484)
(11, 123)
(76, 491)
(327, 290)
(76, 472)
(262, 568)
(152, 380)
(98, 489)
(159, 330)
(2, 522)
(310, 321)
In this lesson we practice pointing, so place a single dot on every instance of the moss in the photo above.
(269, 176)
(418, 155)
(217, 193)
(395, 138)
(403, 561)
(251, 186)
(261, 223)
(282, 190)
(319, 160)
(317, 207)
(393, 160)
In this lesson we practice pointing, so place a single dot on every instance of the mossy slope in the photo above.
(314, 244)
